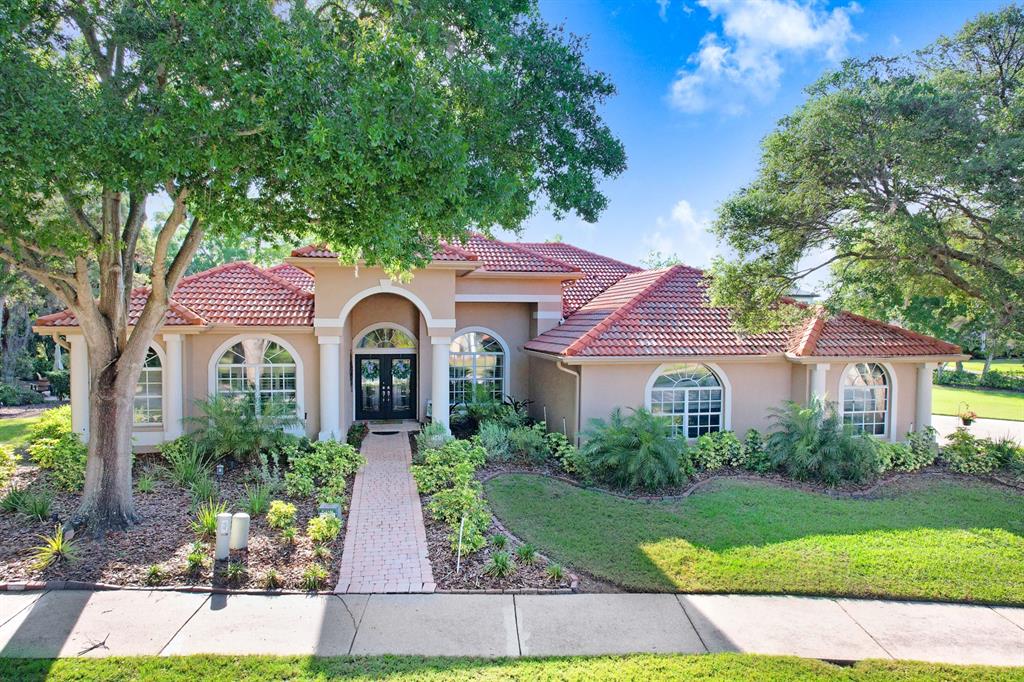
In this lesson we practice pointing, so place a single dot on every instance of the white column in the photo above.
(923, 414)
(439, 378)
(330, 387)
(819, 381)
(173, 387)
(79, 386)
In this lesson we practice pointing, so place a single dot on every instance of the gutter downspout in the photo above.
(576, 397)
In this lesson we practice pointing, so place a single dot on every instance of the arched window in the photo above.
(866, 398)
(260, 367)
(691, 396)
(149, 392)
(476, 368)
(386, 338)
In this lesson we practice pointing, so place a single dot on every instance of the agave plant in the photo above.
(634, 451)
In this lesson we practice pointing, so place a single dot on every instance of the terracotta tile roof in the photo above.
(665, 313)
(293, 275)
(601, 272)
(233, 294)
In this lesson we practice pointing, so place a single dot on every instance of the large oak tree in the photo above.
(902, 175)
(375, 126)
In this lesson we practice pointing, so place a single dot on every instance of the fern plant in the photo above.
(810, 442)
(634, 451)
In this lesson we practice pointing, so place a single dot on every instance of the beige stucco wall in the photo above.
(904, 389)
(198, 349)
(506, 286)
(511, 322)
(553, 393)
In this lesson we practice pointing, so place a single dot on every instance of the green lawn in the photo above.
(988, 404)
(705, 667)
(14, 432)
(940, 540)
(1003, 365)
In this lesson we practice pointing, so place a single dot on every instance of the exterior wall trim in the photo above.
(719, 373)
(383, 351)
(508, 298)
(891, 417)
(380, 289)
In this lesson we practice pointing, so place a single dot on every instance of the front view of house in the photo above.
(574, 332)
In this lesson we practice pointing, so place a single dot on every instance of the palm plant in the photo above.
(241, 427)
(634, 451)
(811, 442)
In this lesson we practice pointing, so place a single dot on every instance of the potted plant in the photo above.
(967, 416)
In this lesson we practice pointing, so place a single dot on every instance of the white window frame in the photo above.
(723, 381)
(163, 391)
(506, 364)
(300, 409)
(890, 397)
(356, 350)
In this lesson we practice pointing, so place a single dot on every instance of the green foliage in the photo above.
(289, 535)
(432, 436)
(1007, 381)
(567, 455)
(324, 528)
(60, 383)
(969, 455)
(499, 541)
(891, 165)
(447, 475)
(718, 449)
(451, 465)
(530, 442)
(356, 433)
(64, 457)
(500, 565)
(314, 577)
(53, 424)
(256, 500)
(195, 562)
(919, 451)
(13, 501)
(154, 575)
(555, 572)
(322, 468)
(811, 443)
(35, 504)
(272, 580)
(322, 553)
(145, 483)
(755, 454)
(635, 451)
(526, 553)
(494, 438)
(281, 514)
(55, 548)
(12, 394)
(234, 427)
(8, 464)
(187, 461)
(235, 572)
(204, 524)
(203, 490)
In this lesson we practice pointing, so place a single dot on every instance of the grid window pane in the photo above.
(261, 368)
(148, 407)
(691, 395)
(866, 398)
(476, 369)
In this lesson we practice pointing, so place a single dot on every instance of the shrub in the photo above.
(499, 541)
(812, 443)
(230, 427)
(55, 423)
(55, 548)
(60, 383)
(145, 483)
(356, 434)
(1005, 451)
(512, 413)
(567, 455)
(289, 535)
(526, 553)
(715, 450)
(323, 529)
(322, 553)
(494, 438)
(755, 455)
(1008, 381)
(65, 457)
(500, 565)
(637, 451)
(256, 500)
(325, 463)
(431, 437)
(8, 464)
(555, 572)
(205, 522)
(12, 394)
(529, 442)
(968, 455)
(35, 505)
(196, 559)
(453, 464)
(924, 448)
(447, 475)
(186, 460)
(314, 577)
(281, 514)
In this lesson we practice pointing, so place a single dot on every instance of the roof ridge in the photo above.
(807, 342)
(636, 268)
(274, 278)
(903, 331)
(523, 249)
(209, 271)
(469, 255)
(186, 313)
(617, 314)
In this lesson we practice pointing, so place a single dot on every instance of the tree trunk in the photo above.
(959, 366)
(988, 360)
(107, 501)
(19, 333)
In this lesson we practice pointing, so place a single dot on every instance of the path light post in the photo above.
(223, 533)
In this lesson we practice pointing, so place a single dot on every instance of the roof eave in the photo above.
(520, 274)
(822, 359)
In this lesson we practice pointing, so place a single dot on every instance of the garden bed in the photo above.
(163, 538)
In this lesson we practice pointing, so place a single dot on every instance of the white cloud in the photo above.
(745, 60)
(685, 233)
(663, 9)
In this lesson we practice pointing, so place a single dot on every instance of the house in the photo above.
(575, 332)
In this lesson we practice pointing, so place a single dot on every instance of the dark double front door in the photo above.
(385, 386)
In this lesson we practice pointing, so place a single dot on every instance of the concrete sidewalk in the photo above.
(137, 622)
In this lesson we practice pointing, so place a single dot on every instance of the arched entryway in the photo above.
(384, 372)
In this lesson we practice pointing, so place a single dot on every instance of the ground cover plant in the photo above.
(724, 667)
(925, 538)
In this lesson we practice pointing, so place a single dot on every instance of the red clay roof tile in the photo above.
(600, 272)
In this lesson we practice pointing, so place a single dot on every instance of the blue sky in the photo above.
(700, 83)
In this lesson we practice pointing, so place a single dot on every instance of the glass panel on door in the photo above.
(401, 384)
(369, 378)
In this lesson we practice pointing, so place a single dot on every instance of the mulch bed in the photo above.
(163, 537)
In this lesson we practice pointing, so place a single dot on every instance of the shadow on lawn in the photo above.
(934, 539)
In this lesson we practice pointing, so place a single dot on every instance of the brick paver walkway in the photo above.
(385, 543)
